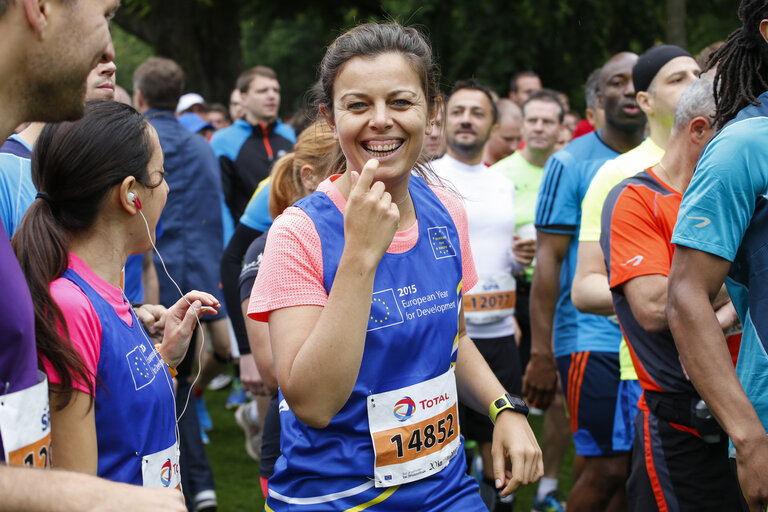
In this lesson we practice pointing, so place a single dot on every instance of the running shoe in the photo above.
(550, 503)
(205, 501)
(251, 430)
(220, 382)
(206, 423)
(237, 395)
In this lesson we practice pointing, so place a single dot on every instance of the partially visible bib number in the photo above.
(415, 430)
(161, 469)
(25, 425)
(492, 299)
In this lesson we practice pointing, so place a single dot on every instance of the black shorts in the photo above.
(674, 469)
(501, 355)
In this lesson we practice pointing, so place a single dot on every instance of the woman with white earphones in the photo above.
(101, 192)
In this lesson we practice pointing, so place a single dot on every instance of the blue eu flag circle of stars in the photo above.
(386, 310)
(141, 366)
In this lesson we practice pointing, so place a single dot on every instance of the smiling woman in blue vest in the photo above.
(361, 283)
(101, 191)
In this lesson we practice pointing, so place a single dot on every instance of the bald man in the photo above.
(505, 140)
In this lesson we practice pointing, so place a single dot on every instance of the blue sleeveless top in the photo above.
(412, 337)
(134, 403)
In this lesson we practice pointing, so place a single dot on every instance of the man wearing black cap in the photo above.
(660, 76)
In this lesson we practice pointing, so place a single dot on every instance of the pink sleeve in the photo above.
(84, 330)
(459, 215)
(291, 272)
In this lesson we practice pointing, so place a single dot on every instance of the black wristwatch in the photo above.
(507, 401)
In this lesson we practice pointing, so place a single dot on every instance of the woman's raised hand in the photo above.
(180, 321)
(370, 217)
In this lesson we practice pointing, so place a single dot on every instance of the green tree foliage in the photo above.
(130, 51)
(562, 40)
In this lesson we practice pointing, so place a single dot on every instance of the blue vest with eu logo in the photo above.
(134, 404)
(411, 337)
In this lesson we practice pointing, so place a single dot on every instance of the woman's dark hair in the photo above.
(371, 40)
(742, 64)
(74, 167)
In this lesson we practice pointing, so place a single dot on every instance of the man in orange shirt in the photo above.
(679, 456)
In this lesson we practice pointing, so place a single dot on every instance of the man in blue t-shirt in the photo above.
(721, 236)
(48, 49)
(585, 346)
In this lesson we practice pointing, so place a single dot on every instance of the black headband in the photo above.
(651, 62)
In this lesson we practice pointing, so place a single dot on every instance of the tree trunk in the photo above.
(203, 37)
(676, 23)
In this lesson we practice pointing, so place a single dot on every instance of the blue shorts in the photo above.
(626, 410)
(591, 385)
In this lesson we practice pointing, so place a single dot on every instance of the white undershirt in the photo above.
(488, 197)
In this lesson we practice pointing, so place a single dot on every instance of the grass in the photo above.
(237, 475)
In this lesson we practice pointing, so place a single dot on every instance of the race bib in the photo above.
(161, 469)
(491, 300)
(415, 430)
(25, 424)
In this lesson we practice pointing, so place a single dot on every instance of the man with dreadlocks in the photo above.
(721, 235)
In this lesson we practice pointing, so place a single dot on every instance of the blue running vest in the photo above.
(134, 403)
(412, 337)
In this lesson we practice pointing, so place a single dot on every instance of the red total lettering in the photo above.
(426, 404)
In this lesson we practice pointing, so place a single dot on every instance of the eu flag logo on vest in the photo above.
(140, 370)
(384, 310)
(441, 242)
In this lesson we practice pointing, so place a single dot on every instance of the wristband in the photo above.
(507, 401)
(170, 368)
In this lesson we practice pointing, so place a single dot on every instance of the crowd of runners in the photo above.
(397, 276)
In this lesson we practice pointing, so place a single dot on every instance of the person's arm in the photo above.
(320, 349)
(149, 279)
(590, 291)
(41, 490)
(727, 316)
(231, 265)
(540, 379)
(73, 433)
(516, 454)
(694, 281)
(647, 297)
(228, 181)
(261, 350)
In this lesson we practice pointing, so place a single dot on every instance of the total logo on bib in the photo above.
(404, 409)
(166, 472)
(161, 469)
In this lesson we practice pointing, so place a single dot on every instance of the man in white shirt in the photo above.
(488, 197)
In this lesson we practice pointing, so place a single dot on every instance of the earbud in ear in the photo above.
(134, 199)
